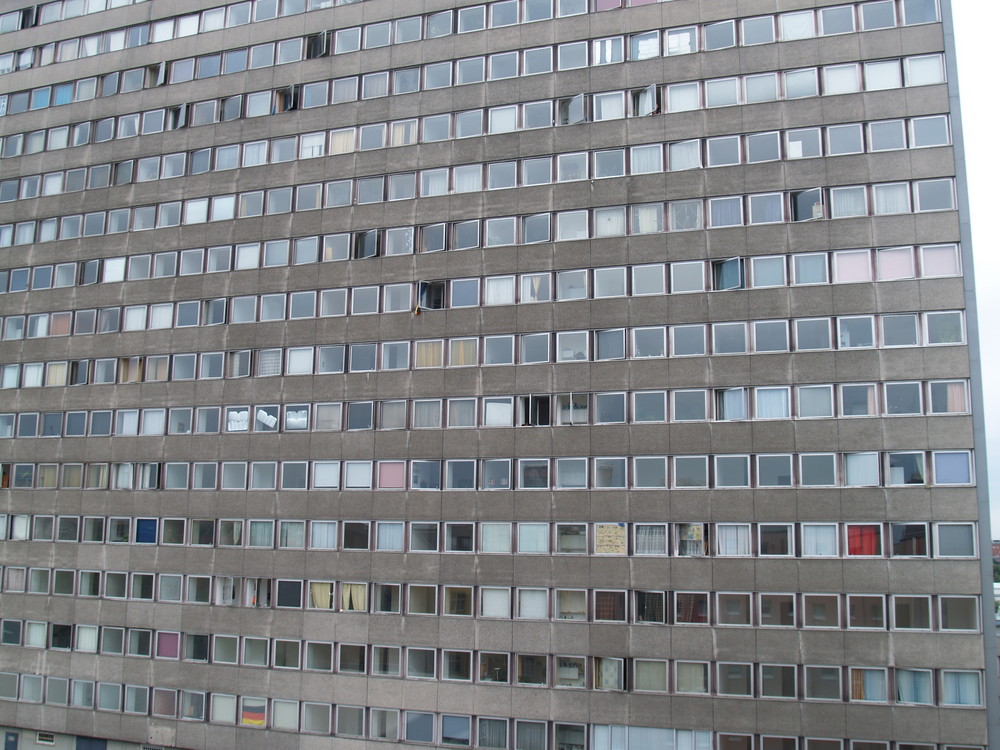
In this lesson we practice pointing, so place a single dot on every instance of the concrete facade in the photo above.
(742, 503)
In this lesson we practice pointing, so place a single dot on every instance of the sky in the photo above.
(975, 22)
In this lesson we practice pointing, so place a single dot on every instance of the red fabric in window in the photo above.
(863, 540)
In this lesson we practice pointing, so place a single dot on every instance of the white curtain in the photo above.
(495, 603)
(683, 97)
(848, 202)
(433, 182)
(726, 212)
(86, 638)
(772, 403)
(819, 540)
(499, 290)
(647, 218)
(892, 199)
(389, 536)
(732, 404)
(261, 533)
(882, 75)
(861, 469)
(913, 686)
(609, 106)
(733, 539)
(961, 689)
(798, 25)
(533, 537)
(495, 537)
(323, 535)
(468, 179)
(647, 159)
(532, 604)
(498, 412)
(684, 155)
(651, 539)
(840, 79)
(609, 222)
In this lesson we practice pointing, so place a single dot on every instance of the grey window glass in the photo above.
(899, 330)
(774, 471)
(763, 147)
(844, 139)
(720, 35)
(687, 340)
(887, 136)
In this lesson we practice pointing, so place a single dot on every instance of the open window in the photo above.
(432, 295)
(728, 274)
(645, 101)
(535, 410)
(318, 45)
(808, 205)
(286, 99)
(571, 110)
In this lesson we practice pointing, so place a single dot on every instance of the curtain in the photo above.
(772, 403)
(847, 202)
(939, 260)
(389, 536)
(493, 733)
(404, 133)
(498, 412)
(292, 534)
(609, 222)
(609, 106)
(533, 537)
(86, 638)
(686, 215)
(868, 685)
(609, 605)
(651, 539)
(321, 595)
(819, 540)
(840, 79)
(468, 179)
(852, 266)
(766, 209)
(461, 352)
(892, 199)
(433, 182)
(429, 353)
(684, 155)
(647, 219)
(495, 603)
(733, 539)
(647, 159)
(261, 533)
(571, 473)
(798, 25)
(495, 537)
(690, 541)
(726, 212)
(861, 469)
(895, 263)
(161, 316)
(691, 678)
(882, 75)
(353, 597)
(960, 689)
(682, 97)
(732, 404)
(863, 540)
(532, 604)
(913, 686)
(608, 675)
(499, 290)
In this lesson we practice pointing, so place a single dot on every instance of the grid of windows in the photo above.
(234, 357)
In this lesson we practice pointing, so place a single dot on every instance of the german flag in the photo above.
(253, 713)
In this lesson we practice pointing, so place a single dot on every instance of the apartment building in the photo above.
(527, 375)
